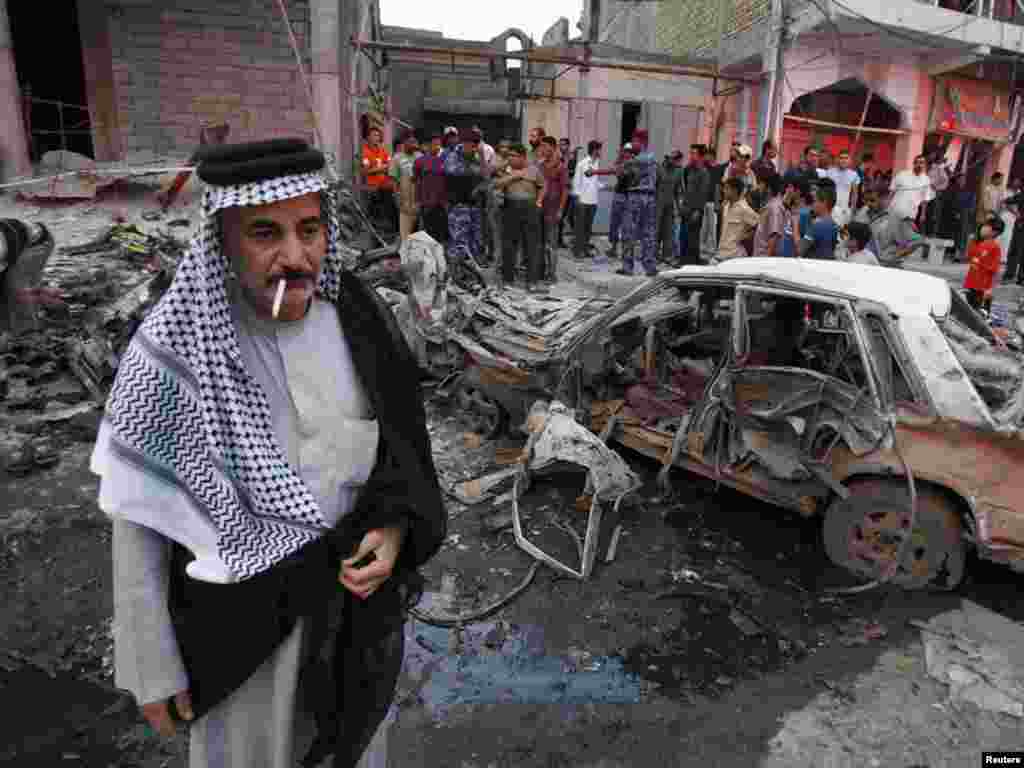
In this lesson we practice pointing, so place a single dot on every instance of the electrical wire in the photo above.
(905, 35)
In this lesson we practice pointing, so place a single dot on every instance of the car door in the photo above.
(799, 383)
(648, 361)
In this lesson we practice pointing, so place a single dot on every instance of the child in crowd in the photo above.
(857, 244)
(984, 256)
(819, 242)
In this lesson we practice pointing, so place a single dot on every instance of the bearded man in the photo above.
(265, 460)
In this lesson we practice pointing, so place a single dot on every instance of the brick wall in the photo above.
(691, 26)
(178, 63)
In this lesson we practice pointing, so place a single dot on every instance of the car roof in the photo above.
(903, 292)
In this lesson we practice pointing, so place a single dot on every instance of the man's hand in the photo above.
(384, 544)
(158, 714)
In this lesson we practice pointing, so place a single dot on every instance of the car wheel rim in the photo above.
(866, 539)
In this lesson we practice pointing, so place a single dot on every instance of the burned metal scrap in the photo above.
(996, 372)
(557, 440)
(25, 249)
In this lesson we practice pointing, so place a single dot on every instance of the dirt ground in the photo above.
(634, 667)
(710, 640)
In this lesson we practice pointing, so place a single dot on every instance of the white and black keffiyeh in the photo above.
(184, 410)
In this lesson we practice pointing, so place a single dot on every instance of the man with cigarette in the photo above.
(265, 459)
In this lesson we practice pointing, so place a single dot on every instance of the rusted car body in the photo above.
(875, 397)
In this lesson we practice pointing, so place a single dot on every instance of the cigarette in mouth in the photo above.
(279, 297)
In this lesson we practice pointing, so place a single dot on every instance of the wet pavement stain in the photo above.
(712, 648)
(499, 662)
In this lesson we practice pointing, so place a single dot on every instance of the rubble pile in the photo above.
(448, 325)
(86, 303)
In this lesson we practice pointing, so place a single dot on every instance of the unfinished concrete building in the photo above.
(435, 81)
(128, 79)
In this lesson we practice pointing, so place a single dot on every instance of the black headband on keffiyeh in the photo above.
(184, 409)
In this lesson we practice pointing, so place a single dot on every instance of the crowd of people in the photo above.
(510, 205)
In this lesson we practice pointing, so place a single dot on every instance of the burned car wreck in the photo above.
(873, 397)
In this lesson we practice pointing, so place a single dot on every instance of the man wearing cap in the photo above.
(451, 138)
(265, 459)
(465, 173)
(403, 174)
(431, 191)
(670, 193)
(641, 211)
(740, 169)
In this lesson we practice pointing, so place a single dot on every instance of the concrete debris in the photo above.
(498, 521)
(94, 362)
(557, 441)
(70, 313)
(745, 623)
(76, 178)
(36, 453)
(482, 489)
(979, 655)
(423, 262)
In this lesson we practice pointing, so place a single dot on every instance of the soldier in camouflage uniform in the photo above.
(619, 202)
(641, 211)
(465, 171)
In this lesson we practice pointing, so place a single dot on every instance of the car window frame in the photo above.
(602, 324)
(898, 349)
(739, 351)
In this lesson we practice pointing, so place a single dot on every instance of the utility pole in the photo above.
(777, 57)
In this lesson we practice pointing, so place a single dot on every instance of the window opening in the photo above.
(795, 332)
(892, 377)
(661, 354)
(631, 113)
(996, 373)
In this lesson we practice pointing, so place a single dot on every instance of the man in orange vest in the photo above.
(376, 162)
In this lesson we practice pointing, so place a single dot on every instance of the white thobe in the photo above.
(321, 419)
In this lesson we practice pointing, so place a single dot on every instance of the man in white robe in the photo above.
(245, 459)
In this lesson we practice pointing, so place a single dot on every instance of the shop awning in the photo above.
(972, 109)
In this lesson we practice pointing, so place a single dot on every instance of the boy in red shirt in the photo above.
(984, 256)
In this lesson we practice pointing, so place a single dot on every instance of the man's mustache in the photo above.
(291, 274)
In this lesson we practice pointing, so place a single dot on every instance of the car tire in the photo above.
(861, 534)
